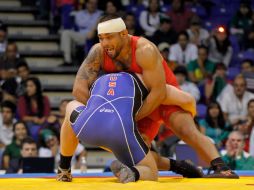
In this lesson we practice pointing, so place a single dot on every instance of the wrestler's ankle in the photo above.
(65, 162)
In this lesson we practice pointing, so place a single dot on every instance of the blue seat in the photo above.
(232, 72)
(201, 110)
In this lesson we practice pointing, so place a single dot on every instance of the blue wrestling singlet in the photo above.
(108, 119)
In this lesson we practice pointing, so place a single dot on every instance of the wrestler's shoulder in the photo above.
(144, 45)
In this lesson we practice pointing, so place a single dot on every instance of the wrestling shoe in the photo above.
(64, 175)
(126, 175)
(220, 170)
(185, 168)
(116, 167)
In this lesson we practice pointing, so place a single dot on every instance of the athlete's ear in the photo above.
(124, 33)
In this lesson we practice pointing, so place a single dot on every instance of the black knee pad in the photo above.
(74, 116)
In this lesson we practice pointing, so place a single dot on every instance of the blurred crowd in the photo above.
(209, 44)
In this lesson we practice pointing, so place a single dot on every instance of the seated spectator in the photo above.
(234, 105)
(214, 125)
(113, 7)
(23, 74)
(220, 49)
(164, 50)
(251, 126)
(8, 110)
(180, 16)
(50, 148)
(9, 88)
(235, 157)
(248, 43)
(85, 23)
(33, 107)
(165, 33)
(131, 25)
(12, 151)
(3, 37)
(183, 51)
(216, 83)
(200, 68)
(9, 61)
(149, 19)
(181, 77)
(196, 33)
(28, 149)
(54, 121)
(247, 69)
(241, 21)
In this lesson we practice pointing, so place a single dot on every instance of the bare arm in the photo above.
(150, 60)
(87, 74)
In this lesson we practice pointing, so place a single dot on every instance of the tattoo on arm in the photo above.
(90, 67)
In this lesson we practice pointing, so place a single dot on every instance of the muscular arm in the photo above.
(87, 74)
(150, 60)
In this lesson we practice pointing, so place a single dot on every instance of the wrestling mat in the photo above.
(105, 181)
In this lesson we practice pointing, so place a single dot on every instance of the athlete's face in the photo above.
(111, 43)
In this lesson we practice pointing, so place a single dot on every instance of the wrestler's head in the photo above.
(112, 34)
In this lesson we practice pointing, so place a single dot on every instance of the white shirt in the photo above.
(6, 132)
(192, 89)
(235, 108)
(183, 57)
(149, 23)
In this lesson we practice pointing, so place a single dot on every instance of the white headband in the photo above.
(110, 26)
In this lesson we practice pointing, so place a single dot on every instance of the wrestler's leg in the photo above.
(68, 144)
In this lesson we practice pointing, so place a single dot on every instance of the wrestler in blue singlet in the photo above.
(108, 118)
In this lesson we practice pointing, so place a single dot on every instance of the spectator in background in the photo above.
(183, 51)
(234, 105)
(12, 151)
(9, 88)
(247, 69)
(85, 23)
(235, 156)
(131, 26)
(164, 50)
(50, 148)
(214, 125)
(33, 107)
(197, 34)
(180, 16)
(220, 49)
(113, 7)
(200, 68)
(3, 37)
(23, 72)
(249, 38)
(165, 33)
(9, 61)
(7, 120)
(216, 83)
(149, 19)
(54, 121)
(28, 149)
(181, 77)
(251, 125)
(241, 22)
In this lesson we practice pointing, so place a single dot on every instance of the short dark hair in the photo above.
(10, 105)
(22, 63)
(181, 70)
(107, 17)
(249, 102)
(28, 140)
(249, 61)
(203, 47)
(183, 33)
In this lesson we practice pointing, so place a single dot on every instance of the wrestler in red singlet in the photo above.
(148, 125)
